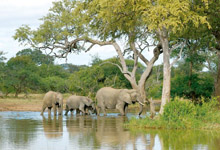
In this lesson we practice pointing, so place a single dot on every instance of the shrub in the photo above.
(183, 115)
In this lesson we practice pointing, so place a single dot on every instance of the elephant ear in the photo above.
(125, 96)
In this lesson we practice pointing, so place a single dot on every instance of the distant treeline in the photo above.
(31, 71)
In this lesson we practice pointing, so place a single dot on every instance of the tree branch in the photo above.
(129, 73)
(90, 47)
(176, 46)
(135, 51)
(179, 56)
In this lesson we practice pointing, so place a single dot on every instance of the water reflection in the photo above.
(17, 133)
(188, 139)
(53, 126)
(110, 132)
(29, 131)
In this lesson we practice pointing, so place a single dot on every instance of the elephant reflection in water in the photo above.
(53, 126)
(80, 125)
(111, 131)
(106, 132)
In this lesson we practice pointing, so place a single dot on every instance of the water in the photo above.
(30, 131)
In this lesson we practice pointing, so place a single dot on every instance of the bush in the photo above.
(176, 110)
(183, 115)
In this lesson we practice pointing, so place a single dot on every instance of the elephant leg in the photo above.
(81, 108)
(97, 110)
(86, 111)
(103, 110)
(67, 110)
(126, 108)
(42, 110)
(77, 112)
(60, 110)
(54, 109)
(120, 107)
(71, 110)
(49, 111)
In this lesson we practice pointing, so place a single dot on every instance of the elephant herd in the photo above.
(106, 97)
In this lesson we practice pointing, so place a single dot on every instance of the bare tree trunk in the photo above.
(217, 86)
(166, 69)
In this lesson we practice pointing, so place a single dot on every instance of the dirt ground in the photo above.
(32, 103)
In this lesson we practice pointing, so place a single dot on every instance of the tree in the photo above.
(53, 77)
(214, 20)
(21, 75)
(37, 56)
(72, 68)
(2, 69)
(73, 26)
(167, 17)
(191, 82)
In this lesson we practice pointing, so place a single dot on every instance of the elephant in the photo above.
(80, 104)
(53, 100)
(110, 98)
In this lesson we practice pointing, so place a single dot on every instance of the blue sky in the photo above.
(15, 13)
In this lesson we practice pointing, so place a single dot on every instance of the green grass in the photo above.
(182, 115)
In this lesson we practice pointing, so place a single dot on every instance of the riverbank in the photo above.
(182, 115)
(32, 103)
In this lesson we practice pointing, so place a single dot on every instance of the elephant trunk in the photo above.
(141, 109)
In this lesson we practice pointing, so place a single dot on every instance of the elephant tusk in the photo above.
(141, 103)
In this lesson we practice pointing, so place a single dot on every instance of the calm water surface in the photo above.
(30, 131)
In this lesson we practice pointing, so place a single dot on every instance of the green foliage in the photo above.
(36, 56)
(89, 80)
(176, 112)
(2, 58)
(85, 81)
(21, 74)
(183, 114)
(54, 83)
(192, 85)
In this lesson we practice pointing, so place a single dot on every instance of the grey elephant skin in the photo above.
(80, 104)
(110, 98)
(53, 100)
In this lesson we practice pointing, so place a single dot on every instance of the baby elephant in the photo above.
(53, 100)
(80, 104)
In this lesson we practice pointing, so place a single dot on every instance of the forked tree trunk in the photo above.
(130, 76)
(166, 69)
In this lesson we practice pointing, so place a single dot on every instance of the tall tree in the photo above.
(74, 26)
(214, 19)
(2, 69)
(166, 17)
(21, 74)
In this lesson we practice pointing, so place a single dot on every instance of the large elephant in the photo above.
(53, 100)
(110, 98)
(80, 104)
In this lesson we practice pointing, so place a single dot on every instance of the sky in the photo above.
(15, 13)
